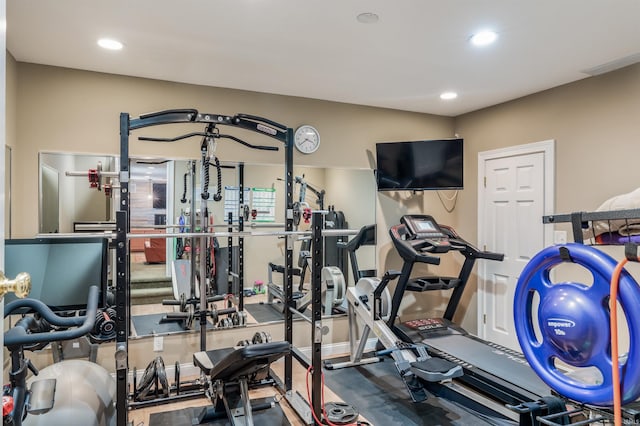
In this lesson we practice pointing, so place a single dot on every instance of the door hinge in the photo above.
(484, 318)
(485, 181)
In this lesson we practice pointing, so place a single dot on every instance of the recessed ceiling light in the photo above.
(368, 18)
(448, 96)
(484, 38)
(108, 43)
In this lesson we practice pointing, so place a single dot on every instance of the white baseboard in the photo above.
(190, 370)
(342, 348)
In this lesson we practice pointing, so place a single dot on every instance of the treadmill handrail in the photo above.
(408, 249)
(408, 244)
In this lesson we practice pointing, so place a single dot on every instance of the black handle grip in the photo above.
(490, 255)
(18, 335)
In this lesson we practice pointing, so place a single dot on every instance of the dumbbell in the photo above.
(239, 318)
(105, 325)
(215, 313)
(261, 337)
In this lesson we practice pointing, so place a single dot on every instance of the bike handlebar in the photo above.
(19, 336)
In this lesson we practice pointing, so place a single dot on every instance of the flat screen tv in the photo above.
(61, 269)
(419, 165)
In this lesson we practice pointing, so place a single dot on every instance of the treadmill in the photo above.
(494, 375)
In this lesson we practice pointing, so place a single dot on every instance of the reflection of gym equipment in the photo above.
(99, 179)
(333, 254)
(497, 375)
(187, 297)
(73, 389)
(275, 292)
(333, 289)
(365, 237)
(301, 209)
(333, 285)
(231, 371)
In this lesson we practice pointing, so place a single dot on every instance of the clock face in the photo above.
(307, 139)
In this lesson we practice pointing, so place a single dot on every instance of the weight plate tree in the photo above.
(573, 323)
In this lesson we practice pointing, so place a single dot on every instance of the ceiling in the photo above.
(317, 49)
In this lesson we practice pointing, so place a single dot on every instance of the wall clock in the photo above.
(307, 139)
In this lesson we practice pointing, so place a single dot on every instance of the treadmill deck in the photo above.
(493, 359)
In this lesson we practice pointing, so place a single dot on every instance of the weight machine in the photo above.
(211, 121)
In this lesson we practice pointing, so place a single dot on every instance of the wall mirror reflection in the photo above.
(161, 193)
(68, 199)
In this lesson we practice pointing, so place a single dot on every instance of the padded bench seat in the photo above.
(227, 364)
(233, 368)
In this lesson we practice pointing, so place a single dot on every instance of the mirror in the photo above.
(157, 187)
(66, 199)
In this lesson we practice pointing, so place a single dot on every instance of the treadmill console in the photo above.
(425, 229)
(422, 227)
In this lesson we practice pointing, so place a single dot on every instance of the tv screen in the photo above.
(61, 269)
(419, 165)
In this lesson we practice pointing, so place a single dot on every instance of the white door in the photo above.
(515, 191)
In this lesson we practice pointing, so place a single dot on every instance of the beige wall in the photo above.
(65, 110)
(76, 111)
(595, 124)
(593, 121)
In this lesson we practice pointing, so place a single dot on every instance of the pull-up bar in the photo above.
(246, 121)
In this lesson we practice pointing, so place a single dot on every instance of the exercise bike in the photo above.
(71, 389)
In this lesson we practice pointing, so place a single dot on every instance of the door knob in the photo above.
(21, 285)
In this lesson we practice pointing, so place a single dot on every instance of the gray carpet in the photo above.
(264, 312)
(146, 325)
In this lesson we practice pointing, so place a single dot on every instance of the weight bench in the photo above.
(230, 370)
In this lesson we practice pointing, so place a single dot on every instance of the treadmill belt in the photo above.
(492, 360)
(378, 393)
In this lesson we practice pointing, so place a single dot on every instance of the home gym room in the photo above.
(285, 152)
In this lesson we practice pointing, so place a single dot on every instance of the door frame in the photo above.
(547, 147)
